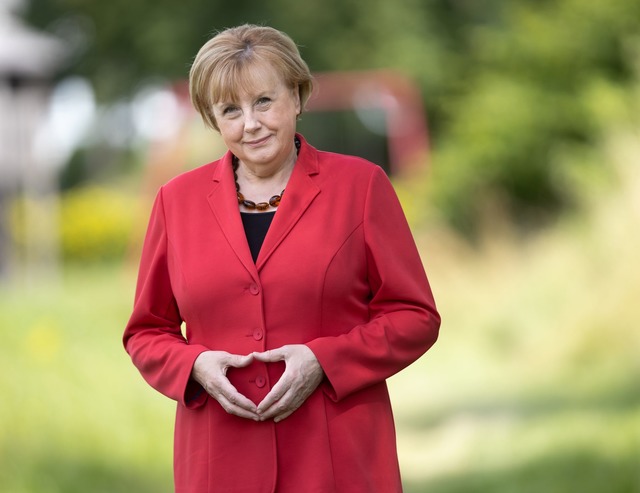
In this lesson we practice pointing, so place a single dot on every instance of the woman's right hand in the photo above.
(210, 371)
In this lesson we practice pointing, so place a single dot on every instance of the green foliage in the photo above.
(533, 383)
(512, 89)
(96, 223)
(528, 106)
(532, 386)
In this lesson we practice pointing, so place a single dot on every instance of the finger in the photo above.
(232, 408)
(285, 407)
(221, 389)
(282, 400)
(281, 408)
(278, 391)
(237, 361)
(231, 395)
(270, 356)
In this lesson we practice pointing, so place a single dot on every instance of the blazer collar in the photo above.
(298, 196)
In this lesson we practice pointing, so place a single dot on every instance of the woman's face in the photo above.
(259, 127)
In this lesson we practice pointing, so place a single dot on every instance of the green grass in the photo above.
(532, 387)
(76, 415)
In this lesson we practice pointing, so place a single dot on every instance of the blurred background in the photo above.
(511, 130)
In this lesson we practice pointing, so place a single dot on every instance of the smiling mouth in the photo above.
(256, 143)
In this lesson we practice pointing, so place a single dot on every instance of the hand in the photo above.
(210, 371)
(301, 377)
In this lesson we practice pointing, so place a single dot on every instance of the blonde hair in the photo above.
(223, 66)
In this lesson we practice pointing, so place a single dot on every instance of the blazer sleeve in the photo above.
(153, 336)
(403, 323)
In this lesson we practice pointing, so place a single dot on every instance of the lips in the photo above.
(258, 142)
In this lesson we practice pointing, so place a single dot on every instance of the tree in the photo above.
(511, 89)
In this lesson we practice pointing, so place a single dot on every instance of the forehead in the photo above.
(247, 80)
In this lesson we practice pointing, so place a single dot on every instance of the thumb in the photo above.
(238, 361)
(269, 356)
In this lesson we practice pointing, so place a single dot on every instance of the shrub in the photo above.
(96, 224)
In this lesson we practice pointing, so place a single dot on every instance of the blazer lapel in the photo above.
(298, 196)
(223, 203)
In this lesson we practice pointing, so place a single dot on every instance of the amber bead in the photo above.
(261, 206)
(275, 200)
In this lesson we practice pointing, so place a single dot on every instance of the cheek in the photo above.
(230, 130)
(285, 118)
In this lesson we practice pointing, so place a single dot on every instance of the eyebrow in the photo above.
(268, 93)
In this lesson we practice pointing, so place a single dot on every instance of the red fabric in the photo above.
(338, 271)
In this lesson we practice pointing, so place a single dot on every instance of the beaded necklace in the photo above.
(250, 204)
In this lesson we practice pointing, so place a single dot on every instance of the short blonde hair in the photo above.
(223, 66)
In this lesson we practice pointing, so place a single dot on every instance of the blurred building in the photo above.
(378, 115)
(28, 61)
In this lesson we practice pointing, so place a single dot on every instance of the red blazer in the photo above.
(338, 271)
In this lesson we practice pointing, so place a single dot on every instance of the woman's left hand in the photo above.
(301, 377)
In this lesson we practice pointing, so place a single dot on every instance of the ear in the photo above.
(296, 95)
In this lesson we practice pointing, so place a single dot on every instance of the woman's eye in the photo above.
(264, 101)
(229, 110)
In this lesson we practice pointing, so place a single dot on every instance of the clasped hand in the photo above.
(301, 377)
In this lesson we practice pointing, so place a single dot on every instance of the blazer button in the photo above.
(260, 381)
(254, 288)
(258, 334)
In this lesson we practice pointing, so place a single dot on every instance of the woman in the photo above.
(295, 310)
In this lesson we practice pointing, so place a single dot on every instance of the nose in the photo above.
(251, 121)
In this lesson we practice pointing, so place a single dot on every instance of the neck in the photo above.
(257, 175)
(276, 173)
(261, 185)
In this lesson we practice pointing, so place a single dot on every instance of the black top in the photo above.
(256, 226)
